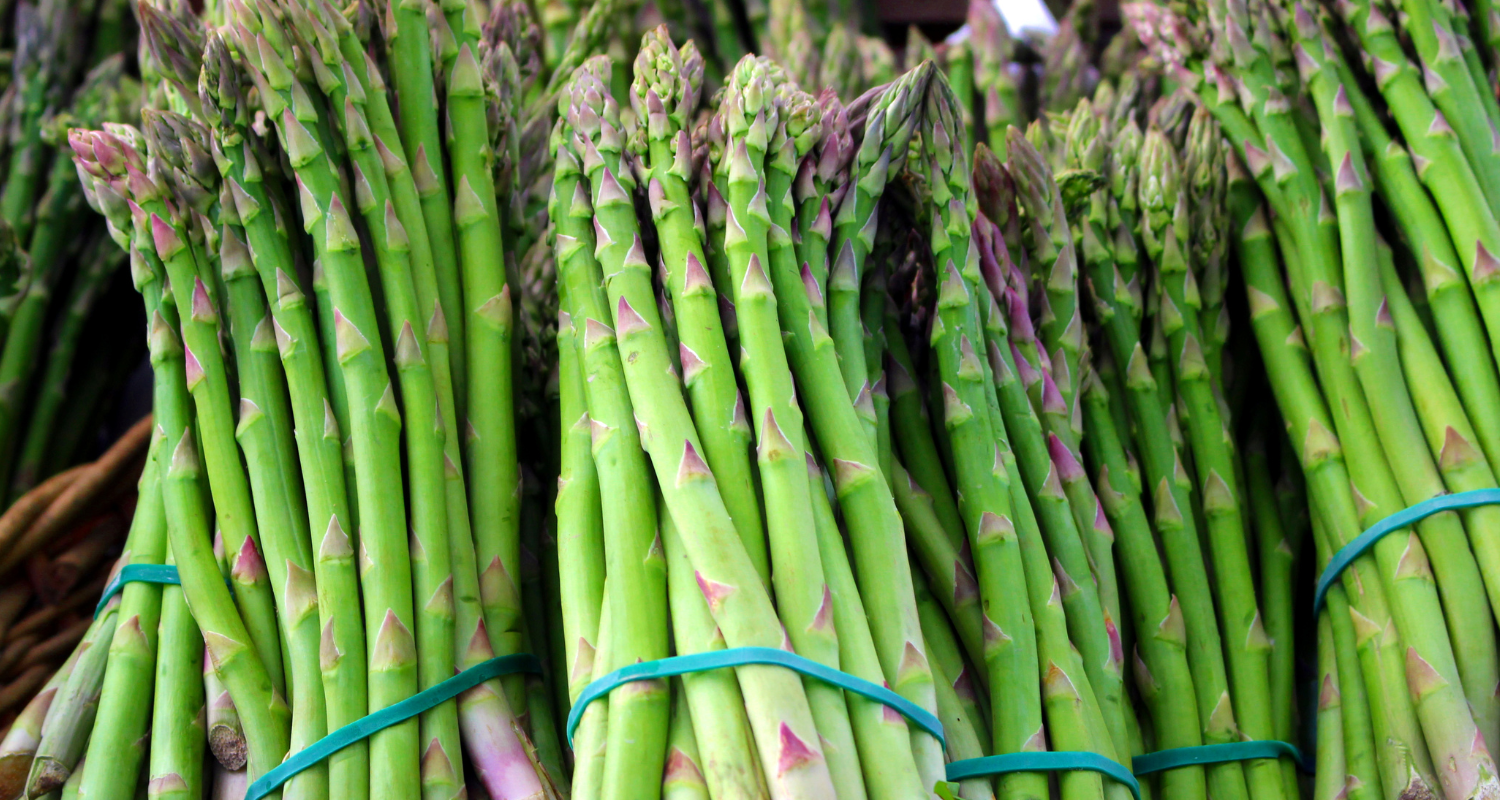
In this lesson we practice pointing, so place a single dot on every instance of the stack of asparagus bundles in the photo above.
(463, 348)
(1378, 340)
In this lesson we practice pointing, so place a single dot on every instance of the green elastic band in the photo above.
(1216, 754)
(1043, 761)
(390, 715)
(1401, 519)
(745, 656)
(136, 573)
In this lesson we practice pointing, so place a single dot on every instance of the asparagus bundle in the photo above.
(1383, 404)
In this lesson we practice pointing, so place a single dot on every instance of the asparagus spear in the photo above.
(864, 494)
(177, 712)
(1247, 652)
(111, 155)
(490, 440)
(1161, 664)
(666, 89)
(264, 432)
(234, 513)
(1310, 426)
(18, 747)
(125, 695)
(637, 719)
(70, 718)
(411, 67)
(726, 761)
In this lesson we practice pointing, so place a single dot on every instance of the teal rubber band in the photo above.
(137, 573)
(746, 656)
(390, 715)
(1401, 519)
(1043, 761)
(1216, 754)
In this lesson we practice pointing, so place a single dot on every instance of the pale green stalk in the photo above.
(488, 322)
(412, 72)
(116, 747)
(666, 89)
(178, 714)
(878, 543)
(884, 746)
(727, 763)
(637, 719)
(70, 719)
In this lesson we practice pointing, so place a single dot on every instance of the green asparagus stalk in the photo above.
(264, 432)
(726, 761)
(1276, 549)
(1164, 229)
(911, 428)
(762, 154)
(666, 89)
(178, 712)
(637, 719)
(884, 747)
(116, 153)
(41, 428)
(683, 777)
(580, 542)
(70, 718)
(490, 443)
(1046, 466)
(1332, 776)
(887, 132)
(967, 715)
(863, 494)
(234, 514)
(423, 428)
(985, 501)
(35, 68)
(1383, 665)
(1457, 318)
(412, 73)
(18, 747)
(1162, 673)
(1119, 308)
(116, 749)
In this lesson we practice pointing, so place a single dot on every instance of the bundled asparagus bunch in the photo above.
(1376, 338)
(307, 467)
(809, 235)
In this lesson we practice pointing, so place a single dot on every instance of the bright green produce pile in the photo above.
(475, 338)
